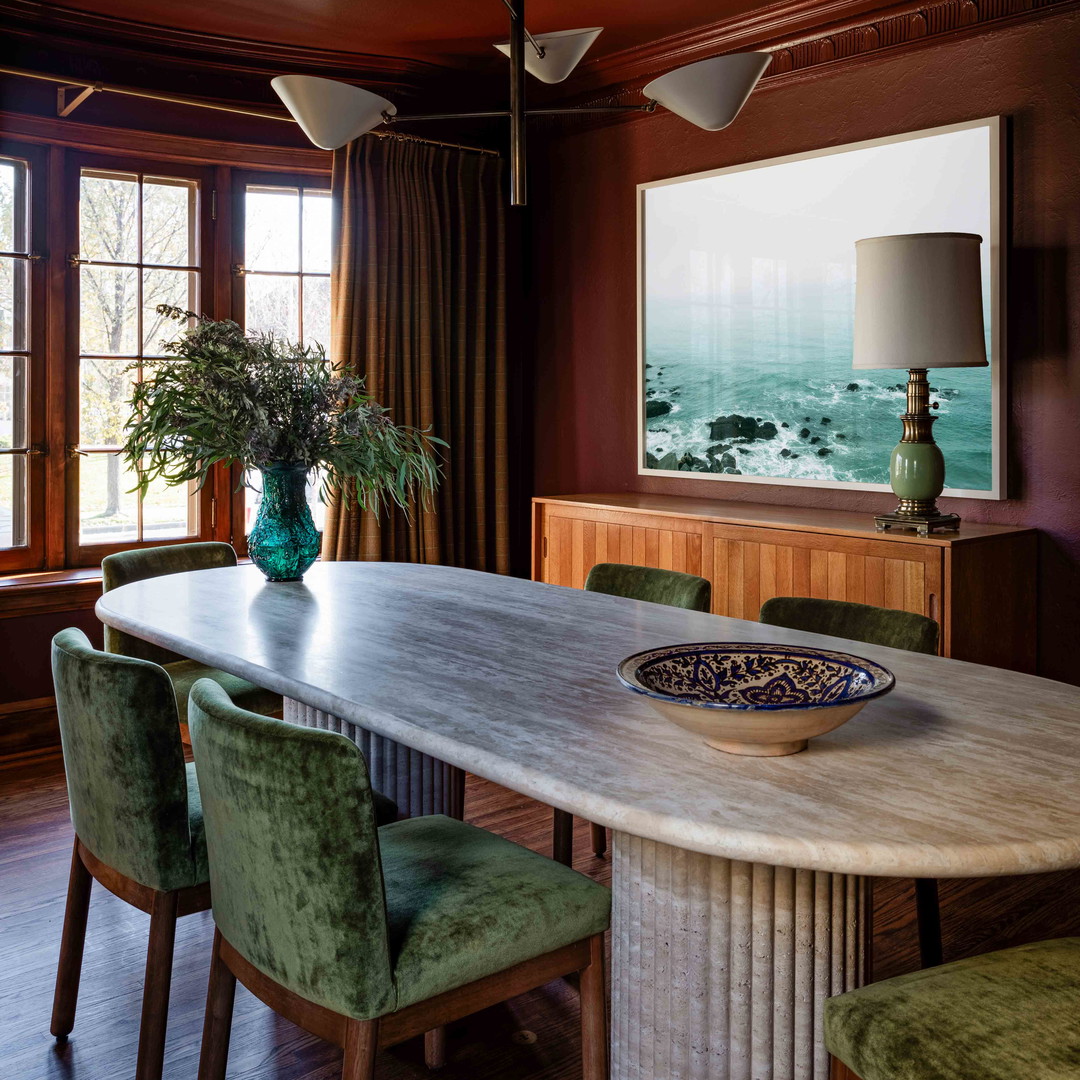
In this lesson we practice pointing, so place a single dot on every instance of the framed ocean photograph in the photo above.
(746, 280)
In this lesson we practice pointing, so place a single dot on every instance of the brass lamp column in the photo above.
(918, 305)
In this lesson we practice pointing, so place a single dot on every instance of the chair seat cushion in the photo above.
(463, 903)
(185, 673)
(1009, 1015)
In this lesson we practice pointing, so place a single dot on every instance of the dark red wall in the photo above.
(583, 281)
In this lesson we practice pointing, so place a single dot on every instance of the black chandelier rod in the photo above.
(518, 184)
(649, 106)
(537, 47)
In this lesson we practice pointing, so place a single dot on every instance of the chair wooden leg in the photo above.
(361, 1043)
(562, 837)
(69, 969)
(594, 1034)
(217, 1024)
(928, 916)
(435, 1048)
(155, 1009)
(599, 839)
(839, 1071)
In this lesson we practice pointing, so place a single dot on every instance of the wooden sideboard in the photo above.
(978, 583)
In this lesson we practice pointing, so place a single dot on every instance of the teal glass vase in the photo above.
(284, 541)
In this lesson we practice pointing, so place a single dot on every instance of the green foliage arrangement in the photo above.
(252, 399)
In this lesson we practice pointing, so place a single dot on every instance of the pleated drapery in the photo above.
(418, 309)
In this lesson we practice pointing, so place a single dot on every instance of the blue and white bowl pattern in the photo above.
(758, 699)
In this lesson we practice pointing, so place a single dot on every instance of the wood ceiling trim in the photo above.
(794, 26)
(799, 55)
(68, 27)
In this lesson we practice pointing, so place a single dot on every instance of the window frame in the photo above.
(56, 152)
(80, 554)
(241, 179)
(31, 556)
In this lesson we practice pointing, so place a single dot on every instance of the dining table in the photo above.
(740, 885)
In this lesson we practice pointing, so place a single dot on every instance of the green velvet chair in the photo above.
(859, 622)
(895, 630)
(670, 587)
(1009, 1015)
(141, 563)
(363, 937)
(137, 816)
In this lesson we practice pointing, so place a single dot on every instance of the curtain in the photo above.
(418, 308)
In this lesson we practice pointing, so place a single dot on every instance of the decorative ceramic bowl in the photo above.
(760, 700)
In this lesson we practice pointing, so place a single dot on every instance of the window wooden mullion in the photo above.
(27, 358)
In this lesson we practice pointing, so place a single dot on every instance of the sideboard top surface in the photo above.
(767, 516)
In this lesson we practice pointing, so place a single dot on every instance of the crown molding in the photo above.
(804, 34)
(64, 28)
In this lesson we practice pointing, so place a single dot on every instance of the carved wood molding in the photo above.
(807, 33)
(799, 46)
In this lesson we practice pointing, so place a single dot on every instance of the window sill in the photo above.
(40, 592)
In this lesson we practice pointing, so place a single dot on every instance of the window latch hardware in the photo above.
(240, 270)
(74, 260)
(72, 450)
(38, 450)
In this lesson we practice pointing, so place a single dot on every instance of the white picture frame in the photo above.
(990, 479)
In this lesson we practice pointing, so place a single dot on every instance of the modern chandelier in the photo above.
(708, 93)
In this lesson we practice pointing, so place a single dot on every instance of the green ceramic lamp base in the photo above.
(917, 468)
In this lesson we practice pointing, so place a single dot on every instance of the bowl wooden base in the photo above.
(745, 749)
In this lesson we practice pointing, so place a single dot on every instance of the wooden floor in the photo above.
(535, 1037)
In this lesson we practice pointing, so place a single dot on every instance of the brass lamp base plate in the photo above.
(923, 524)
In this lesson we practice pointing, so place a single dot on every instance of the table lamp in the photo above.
(918, 305)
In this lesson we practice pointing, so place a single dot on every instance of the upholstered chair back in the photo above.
(669, 587)
(859, 622)
(140, 563)
(126, 779)
(295, 873)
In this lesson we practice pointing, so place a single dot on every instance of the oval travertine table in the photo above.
(741, 899)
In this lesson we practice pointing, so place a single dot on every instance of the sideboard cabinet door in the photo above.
(748, 566)
(570, 545)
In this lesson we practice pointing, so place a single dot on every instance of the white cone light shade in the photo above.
(918, 301)
(563, 50)
(710, 93)
(331, 113)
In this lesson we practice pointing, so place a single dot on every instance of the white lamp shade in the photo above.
(711, 92)
(918, 301)
(331, 113)
(563, 50)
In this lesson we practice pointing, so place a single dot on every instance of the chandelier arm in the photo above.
(398, 119)
(541, 52)
(648, 107)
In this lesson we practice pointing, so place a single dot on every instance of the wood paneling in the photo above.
(979, 583)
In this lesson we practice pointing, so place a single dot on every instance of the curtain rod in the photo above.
(89, 87)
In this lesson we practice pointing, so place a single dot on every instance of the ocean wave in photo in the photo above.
(791, 406)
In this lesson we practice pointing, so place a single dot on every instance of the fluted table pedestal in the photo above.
(720, 968)
(417, 782)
